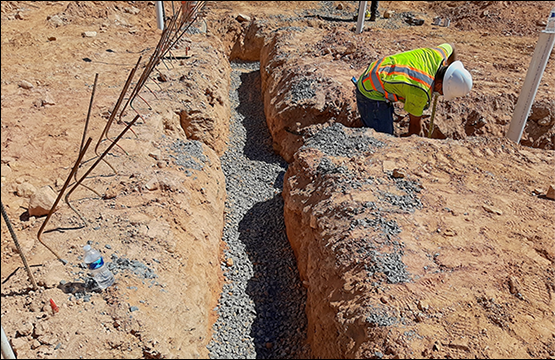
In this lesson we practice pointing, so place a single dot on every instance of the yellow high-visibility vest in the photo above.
(407, 77)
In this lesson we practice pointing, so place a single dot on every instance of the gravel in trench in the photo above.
(262, 305)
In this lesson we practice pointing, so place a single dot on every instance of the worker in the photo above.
(410, 77)
(373, 13)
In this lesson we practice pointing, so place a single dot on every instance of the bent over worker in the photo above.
(410, 77)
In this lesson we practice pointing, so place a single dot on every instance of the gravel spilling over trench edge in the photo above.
(262, 305)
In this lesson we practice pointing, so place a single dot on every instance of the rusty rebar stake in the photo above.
(14, 237)
(170, 36)
(155, 96)
(118, 104)
(116, 108)
(88, 113)
(85, 131)
(75, 167)
(98, 161)
(135, 110)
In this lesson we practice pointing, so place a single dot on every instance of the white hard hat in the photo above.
(457, 81)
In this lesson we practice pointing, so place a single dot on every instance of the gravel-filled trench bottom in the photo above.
(262, 304)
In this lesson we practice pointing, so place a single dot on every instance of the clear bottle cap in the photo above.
(86, 247)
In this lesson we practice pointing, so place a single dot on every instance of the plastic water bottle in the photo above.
(550, 28)
(97, 267)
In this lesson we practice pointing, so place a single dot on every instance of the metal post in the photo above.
(361, 12)
(160, 15)
(7, 352)
(19, 250)
(531, 83)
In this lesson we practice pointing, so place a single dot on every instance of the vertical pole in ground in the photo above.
(361, 12)
(7, 352)
(19, 250)
(160, 14)
(532, 80)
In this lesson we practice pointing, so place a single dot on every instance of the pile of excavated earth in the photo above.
(247, 213)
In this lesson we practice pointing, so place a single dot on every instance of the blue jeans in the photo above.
(375, 114)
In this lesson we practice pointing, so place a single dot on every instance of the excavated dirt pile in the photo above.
(407, 247)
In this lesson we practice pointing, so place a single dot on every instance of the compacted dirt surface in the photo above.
(407, 247)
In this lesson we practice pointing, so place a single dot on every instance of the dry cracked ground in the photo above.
(415, 247)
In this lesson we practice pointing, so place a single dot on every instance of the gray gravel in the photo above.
(262, 305)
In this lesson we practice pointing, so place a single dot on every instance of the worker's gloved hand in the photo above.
(415, 130)
(398, 118)
(415, 125)
(420, 133)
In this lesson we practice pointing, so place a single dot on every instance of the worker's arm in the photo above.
(416, 101)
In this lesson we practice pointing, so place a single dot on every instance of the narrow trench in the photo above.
(261, 312)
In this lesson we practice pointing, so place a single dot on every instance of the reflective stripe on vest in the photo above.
(441, 52)
(376, 82)
(419, 76)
